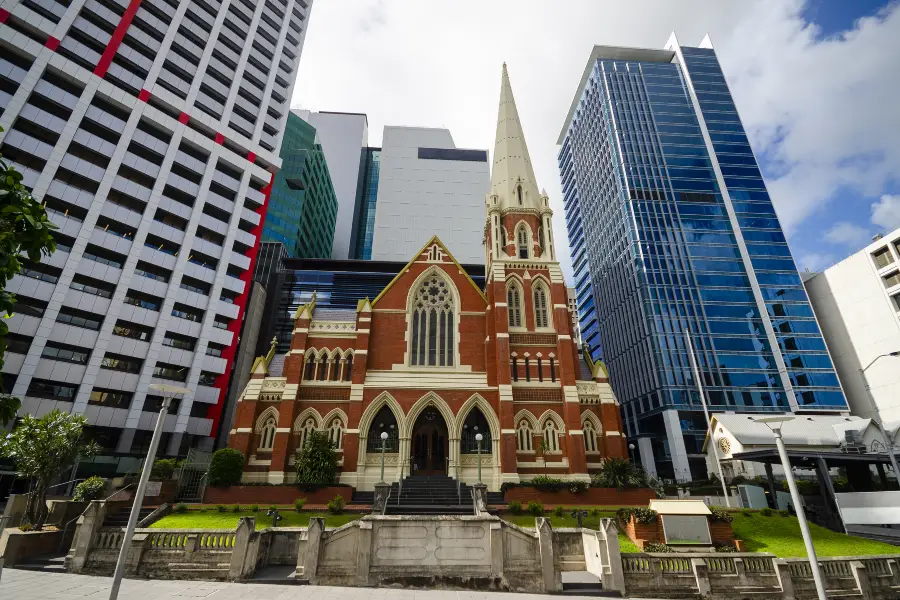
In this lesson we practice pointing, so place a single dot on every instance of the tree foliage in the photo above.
(25, 235)
(226, 467)
(89, 489)
(621, 473)
(43, 448)
(316, 461)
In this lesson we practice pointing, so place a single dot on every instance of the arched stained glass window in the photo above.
(514, 305)
(541, 316)
(551, 435)
(383, 421)
(523, 436)
(308, 427)
(336, 432)
(433, 324)
(590, 436)
(522, 242)
(267, 436)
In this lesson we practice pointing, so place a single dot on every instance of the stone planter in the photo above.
(16, 545)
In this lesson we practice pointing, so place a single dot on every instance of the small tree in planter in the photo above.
(89, 489)
(316, 461)
(42, 449)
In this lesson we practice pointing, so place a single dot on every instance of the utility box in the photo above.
(752, 496)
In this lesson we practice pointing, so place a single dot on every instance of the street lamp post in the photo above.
(384, 437)
(888, 441)
(775, 424)
(478, 438)
(168, 392)
(715, 449)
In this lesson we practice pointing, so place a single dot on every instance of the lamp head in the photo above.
(897, 353)
(384, 435)
(478, 437)
(631, 446)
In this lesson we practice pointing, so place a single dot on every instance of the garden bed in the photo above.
(212, 519)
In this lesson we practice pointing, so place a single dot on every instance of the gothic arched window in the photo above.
(267, 436)
(308, 427)
(523, 436)
(522, 242)
(348, 367)
(541, 314)
(309, 369)
(321, 366)
(590, 436)
(336, 432)
(384, 421)
(514, 305)
(551, 436)
(335, 362)
(432, 326)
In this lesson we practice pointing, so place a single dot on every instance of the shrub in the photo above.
(26, 527)
(767, 512)
(558, 511)
(273, 508)
(721, 516)
(298, 504)
(317, 461)
(515, 507)
(784, 513)
(619, 473)
(336, 505)
(536, 508)
(726, 548)
(595, 512)
(578, 487)
(254, 508)
(545, 482)
(89, 489)
(654, 547)
(236, 508)
(163, 468)
(747, 513)
(226, 467)
(644, 516)
(221, 508)
(180, 508)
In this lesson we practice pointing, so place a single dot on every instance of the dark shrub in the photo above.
(89, 489)
(226, 467)
(515, 507)
(336, 505)
(536, 508)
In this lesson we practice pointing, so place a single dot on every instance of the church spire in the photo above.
(512, 176)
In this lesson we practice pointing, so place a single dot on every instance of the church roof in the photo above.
(512, 164)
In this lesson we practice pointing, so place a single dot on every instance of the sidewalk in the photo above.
(34, 585)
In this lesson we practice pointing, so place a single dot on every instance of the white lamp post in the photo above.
(775, 423)
(167, 392)
(384, 437)
(888, 441)
(478, 438)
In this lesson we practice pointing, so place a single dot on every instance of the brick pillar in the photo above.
(500, 314)
(244, 419)
(568, 374)
(357, 381)
(293, 363)
(280, 467)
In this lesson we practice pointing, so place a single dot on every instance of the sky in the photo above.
(816, 84)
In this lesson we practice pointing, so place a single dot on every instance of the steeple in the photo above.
(512, 168)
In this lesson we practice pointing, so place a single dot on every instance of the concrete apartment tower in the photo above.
(151, 130)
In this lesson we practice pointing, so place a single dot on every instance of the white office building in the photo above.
(427, 186)
(344, 137)
(150, 128)
(857, 304)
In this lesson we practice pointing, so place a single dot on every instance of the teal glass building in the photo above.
(672, 230)
(303, 207)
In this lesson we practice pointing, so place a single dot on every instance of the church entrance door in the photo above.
(429, 447)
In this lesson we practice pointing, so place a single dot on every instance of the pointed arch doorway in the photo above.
(429, 445)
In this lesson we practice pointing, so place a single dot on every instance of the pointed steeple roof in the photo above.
(512, 164)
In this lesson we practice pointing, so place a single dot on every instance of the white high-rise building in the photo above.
(857, 304)
(427, 186)
(150, 128)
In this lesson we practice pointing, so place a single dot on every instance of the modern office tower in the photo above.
(150, 130)
(367, 198)
(427, 186)
(344, 138)
(303, 207)
(669, 216)
(857, 304)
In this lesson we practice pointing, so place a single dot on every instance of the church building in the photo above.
(434, 361)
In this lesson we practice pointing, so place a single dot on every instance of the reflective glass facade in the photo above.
(368, 196)
(672, 229)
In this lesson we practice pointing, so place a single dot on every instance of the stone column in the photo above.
(783, 571)
(89, 524)
(701, 576)
(364, 552)
(313, 546)
(479, 491)
(382, 493)
(246, 527)
(496, 548)
(861, 575)
(613, 577)
(552, 580)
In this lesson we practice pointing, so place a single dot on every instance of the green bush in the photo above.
(545, 482)
(726, 548)
(644, 516)
(336, 505)
(515, 507)
(180, 508)
(767, 512)
(221, 508)
(595, 512)
(747, 513)
(784, 513)
(163, 469)
(578, 487)
(89, 489)
(558, 511)
(236, 508)
(721, 516)
(654, 547)
(226, 467)
(316, 460)
(536, 508)
(26, 527)
(299, 503)
(254, 508)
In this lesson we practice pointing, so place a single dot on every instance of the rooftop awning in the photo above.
(679, 507)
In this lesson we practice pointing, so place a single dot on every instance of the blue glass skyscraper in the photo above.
(672, 230)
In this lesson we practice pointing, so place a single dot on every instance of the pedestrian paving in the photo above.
(16, 584)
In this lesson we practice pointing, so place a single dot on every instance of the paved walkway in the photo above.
(33, 585)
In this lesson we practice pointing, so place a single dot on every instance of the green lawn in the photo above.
(212, 519)
(781, 536)
(591, 522)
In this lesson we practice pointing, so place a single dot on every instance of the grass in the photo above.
(212, 519)
(781, 536)
(590, 521)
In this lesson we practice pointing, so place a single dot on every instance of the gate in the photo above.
(192, 479)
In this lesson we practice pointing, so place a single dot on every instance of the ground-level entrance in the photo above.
(429, 447)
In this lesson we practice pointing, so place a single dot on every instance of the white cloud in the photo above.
(815, 106)
(815, 262)
(886, 212)
(847, 234)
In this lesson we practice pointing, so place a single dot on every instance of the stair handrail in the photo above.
(458, 486)
(400, 484)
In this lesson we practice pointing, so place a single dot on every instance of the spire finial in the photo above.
(512, 176)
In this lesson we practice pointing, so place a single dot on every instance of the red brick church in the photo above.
(433, 360)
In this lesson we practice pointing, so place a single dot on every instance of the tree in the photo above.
(316, 461)
(25, 235)
(42, 449)
(226, 467)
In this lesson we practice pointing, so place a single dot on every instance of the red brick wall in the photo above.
(593, 496)
(265, 495)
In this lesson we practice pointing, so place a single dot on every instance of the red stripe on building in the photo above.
(116, 40)
(52, 43)
(215, 411)
(4, 15)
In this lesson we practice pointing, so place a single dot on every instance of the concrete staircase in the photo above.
(430, 495)
(120, 518)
